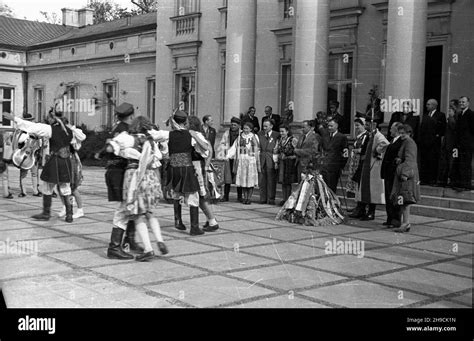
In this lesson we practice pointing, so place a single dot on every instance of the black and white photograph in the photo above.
(287, 155)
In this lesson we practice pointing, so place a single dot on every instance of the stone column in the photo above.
(311, 58)
(406, 49)
(240, 57)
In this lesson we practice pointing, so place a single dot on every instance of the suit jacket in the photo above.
(432, 129)
(336, 152)
(413, 121)
(253, 120)
(277, 120)
(465, 130)
(307, 149)
(211, 137)
(388, 163)
(267, 147)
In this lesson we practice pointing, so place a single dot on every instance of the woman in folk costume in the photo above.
(355, 164)
(57, 170)
(312, 203)
(287, 170)
(406, 185)
(202, 166)
(226, 143)
(245, 152)
(181, 175)
(142, 185)
(372, 189)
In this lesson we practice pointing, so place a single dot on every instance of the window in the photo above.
(340, 86)
(151, 95)
(288, 9)
(187, 6)
(39, 103)
(69, 104)
(186, 92)
(6, 104)
(110, 100)
(222, 92)
(285, 86)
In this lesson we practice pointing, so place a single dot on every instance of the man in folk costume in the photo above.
(226, 143)
(114, 178)
(372, 189)
(57, 170)
(182, 179)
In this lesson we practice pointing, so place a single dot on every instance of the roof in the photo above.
(23, 33)
(26, 34)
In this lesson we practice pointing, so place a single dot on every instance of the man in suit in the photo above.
(447, 145)
(387, 173)
(407, 116)
(268, 179)
(307, 148)
(462, 169)
(336, 155)
(250, 117)
(209, 132)
(432, 129)
(269, 115)
(342, 120)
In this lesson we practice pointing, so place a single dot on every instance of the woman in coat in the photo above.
(406, 187)
(285, 151)
(372, 191)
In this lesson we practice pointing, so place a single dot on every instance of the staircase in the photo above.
(439, 202)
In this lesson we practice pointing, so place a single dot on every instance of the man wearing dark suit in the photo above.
(307, 148)
(209, 132)
(406, 117)
(388, 173)
(336, 155)
(462, 167)
(269, 115)
(448, 141)
(432, 128)
(342, 120)
(267, 181)
(250, 117)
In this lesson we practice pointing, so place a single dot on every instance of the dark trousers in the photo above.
(286, 189)
(445, 166)
(462, 168)
(393, 212)
(429, 158)
(331, 177)
(267, 183)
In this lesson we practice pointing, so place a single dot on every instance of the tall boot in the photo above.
(226, 192)
(115, 250)
(46, 214)
(239, 194)
(129, 239)
(195, 230)
(359, 211)
(370, 214)
(178, 222)
(68, 203)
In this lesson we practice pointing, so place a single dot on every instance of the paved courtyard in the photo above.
(253, 261)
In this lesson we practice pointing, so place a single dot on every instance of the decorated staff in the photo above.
(57, 170)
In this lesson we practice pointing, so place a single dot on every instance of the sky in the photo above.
(30, 9)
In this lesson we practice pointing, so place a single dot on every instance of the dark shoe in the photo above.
(68, 204)
(387, 224)
(162, 247)
(367, 217)
(396, 223)
(21, 195)
(115, 249)
(145, 256)
(403, 229)
(240, 200)
(209, 228)
(10, 196)
(271, 202)
(46, 214)
(195, 230)
(282, 203)
(205, 225)
(262, 202)
(178, 222)
(39, 194)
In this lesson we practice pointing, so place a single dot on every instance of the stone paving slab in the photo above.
(253, 261)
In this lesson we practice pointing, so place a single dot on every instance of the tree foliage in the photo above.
(52, 18)
(5, 10)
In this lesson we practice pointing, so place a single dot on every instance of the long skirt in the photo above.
(142, 197)
(247, 172)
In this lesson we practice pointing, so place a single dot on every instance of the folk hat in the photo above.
(124, 110)
(235, 120)
(28, 117)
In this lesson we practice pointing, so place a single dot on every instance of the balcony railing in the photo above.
(186, 24)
